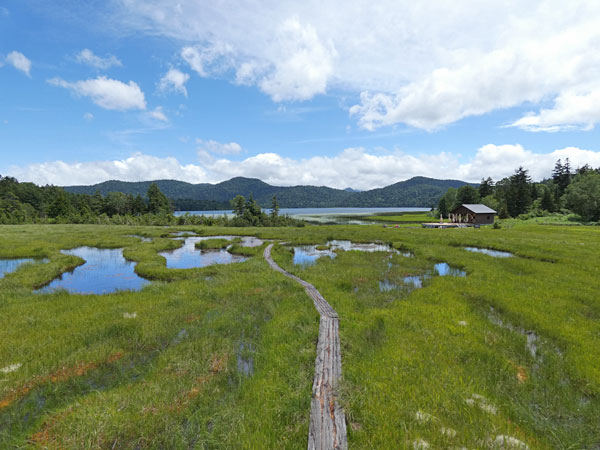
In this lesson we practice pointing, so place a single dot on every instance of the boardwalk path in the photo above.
(327, 421)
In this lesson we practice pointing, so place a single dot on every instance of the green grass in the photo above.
(402, 218)
(412, 360)
(213, 244)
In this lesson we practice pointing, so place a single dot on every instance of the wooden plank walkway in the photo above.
(327, 428)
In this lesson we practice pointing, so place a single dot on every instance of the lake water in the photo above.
(320, 215)
(189, 257)
(104, 271)
(10, 265)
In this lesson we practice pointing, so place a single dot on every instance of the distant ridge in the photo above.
(415, 192)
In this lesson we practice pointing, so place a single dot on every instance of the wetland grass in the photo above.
(159, 368)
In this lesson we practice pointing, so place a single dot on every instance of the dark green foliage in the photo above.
(418, 191)
(466, 195)
(486, 187)
(158, 203)
(518, 195)
(583, 196)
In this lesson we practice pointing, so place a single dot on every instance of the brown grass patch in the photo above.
(57, 376)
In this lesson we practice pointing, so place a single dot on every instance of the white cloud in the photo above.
(174, 80)
(19, 61)
(106, 92)
(572, 110)
(424, 67)
(135, 168)
(353, 167)
(231, 148)
(303, 64)
(207, 59)
(158, 114)
(86, 56)
(88, 116)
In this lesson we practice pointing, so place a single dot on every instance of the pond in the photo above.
(141, 238)
(189, 257)
(10, 265)
(490, 252)
(416, 281)
(104, 271)
(307, 255)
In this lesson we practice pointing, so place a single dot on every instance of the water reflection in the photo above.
(307, 255)
(10, 265)
(490, 252)
(104, 271)
(416, 281)
(188, 257)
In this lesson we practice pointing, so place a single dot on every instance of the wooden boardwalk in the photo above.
(327, 428)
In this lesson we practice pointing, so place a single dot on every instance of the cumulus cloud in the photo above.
(231, 148)
(174, 80)
(572, 110)
(303, 66)
(88, 116)
(353, 167)
(158, 114)
(208, 58)
(86, 56)
(135, 168)
(19, 61)
(423, 67)
(106, 92)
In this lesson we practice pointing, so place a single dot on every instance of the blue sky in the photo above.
(343, 94)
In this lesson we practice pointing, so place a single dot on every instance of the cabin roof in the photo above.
(477, 208)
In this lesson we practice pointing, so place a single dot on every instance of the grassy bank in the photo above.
(168, 366)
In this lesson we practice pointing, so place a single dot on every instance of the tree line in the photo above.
(568, 190)
(22, 203)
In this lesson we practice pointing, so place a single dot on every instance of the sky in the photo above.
(349, 93)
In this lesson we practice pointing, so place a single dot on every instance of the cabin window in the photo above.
(488, 217)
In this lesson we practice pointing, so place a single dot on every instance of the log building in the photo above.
(477, 214)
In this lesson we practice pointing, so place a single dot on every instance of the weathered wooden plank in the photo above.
(327, 429)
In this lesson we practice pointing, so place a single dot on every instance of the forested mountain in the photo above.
(418, 191)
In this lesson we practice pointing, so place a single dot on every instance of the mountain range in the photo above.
(415, 192)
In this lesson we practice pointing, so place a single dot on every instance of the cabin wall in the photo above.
(480, 219)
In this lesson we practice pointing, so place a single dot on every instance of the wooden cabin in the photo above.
(477, 214)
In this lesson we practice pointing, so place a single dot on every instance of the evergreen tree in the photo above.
(518, 195)
(467, 194)
(486, 187)
(274, 208)
(443, 207)
(239, 205)
(158, 203)
(547, 202)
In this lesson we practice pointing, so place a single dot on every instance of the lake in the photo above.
(320, 215)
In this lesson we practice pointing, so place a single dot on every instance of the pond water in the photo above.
(307, 255)
(245, 360)
(189, 257)
(416, 281)
(141, 238)
(10, 265)
(104, 271)
(490, 252)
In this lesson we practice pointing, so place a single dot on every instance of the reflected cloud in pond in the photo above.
(189, 257)
(104, 271)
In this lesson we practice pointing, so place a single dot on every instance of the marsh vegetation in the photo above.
(222, 356)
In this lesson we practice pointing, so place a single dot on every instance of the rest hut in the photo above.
(477, 214)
